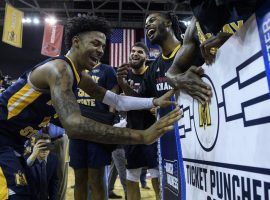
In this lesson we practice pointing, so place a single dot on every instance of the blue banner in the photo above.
(171, 163)
(263, 22)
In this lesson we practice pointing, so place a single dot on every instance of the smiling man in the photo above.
(50, 88)
(162, 29)
(140, 156)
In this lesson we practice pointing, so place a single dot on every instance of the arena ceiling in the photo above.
(121, 13)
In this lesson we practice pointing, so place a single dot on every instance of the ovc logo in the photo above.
(206, 119)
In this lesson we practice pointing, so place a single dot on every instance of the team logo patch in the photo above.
(20, 179)
(204, 115)
(170, 174)
(207, 127)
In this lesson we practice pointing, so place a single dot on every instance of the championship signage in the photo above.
(172, 177)
(225, 144)
(13, 27)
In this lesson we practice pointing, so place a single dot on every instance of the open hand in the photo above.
(40, 145)
(192, 84)
(164, 100)
(162, 126)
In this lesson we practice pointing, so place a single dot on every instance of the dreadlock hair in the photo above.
(143, 46)
(175, 24)
(78, 25)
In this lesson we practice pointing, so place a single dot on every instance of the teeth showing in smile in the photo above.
(150, 32)
(94, 59)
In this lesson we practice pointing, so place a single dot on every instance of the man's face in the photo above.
(137, 57)
(43, 154)
(155, 27)
(91, 48)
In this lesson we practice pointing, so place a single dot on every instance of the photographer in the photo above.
(42, 166)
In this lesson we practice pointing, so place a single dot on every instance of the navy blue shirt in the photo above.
(155, 82)
(138, 119)
(24, 110)
(105, 76)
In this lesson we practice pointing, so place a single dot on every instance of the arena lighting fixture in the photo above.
(187, 23)
(81, 15)
(50, 20)
(36, 20)
(28, 20)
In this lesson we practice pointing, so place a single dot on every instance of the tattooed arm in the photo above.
(60, 80)
(88, 85)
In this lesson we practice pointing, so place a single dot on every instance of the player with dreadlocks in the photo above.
(213, 23)
(162, 29)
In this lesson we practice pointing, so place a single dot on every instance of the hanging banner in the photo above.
(172, 176)
(13, 27)
(52, 40)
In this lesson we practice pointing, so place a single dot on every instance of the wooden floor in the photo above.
(146, 194)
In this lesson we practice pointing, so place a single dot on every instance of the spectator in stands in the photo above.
(42, 170)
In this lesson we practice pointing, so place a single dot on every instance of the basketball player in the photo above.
(162, 29)
(49, 88)
(140, 156)
(212, 25)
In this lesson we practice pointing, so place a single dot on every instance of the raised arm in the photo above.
(60, 81)
(186, 53)
(182, 75)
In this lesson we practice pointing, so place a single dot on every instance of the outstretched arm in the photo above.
(182, 75)
(119, 102)
(60, 81)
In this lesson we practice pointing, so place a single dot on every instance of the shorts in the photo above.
(13, 178)
(135, 174)
(85, 154)
(141, 156)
